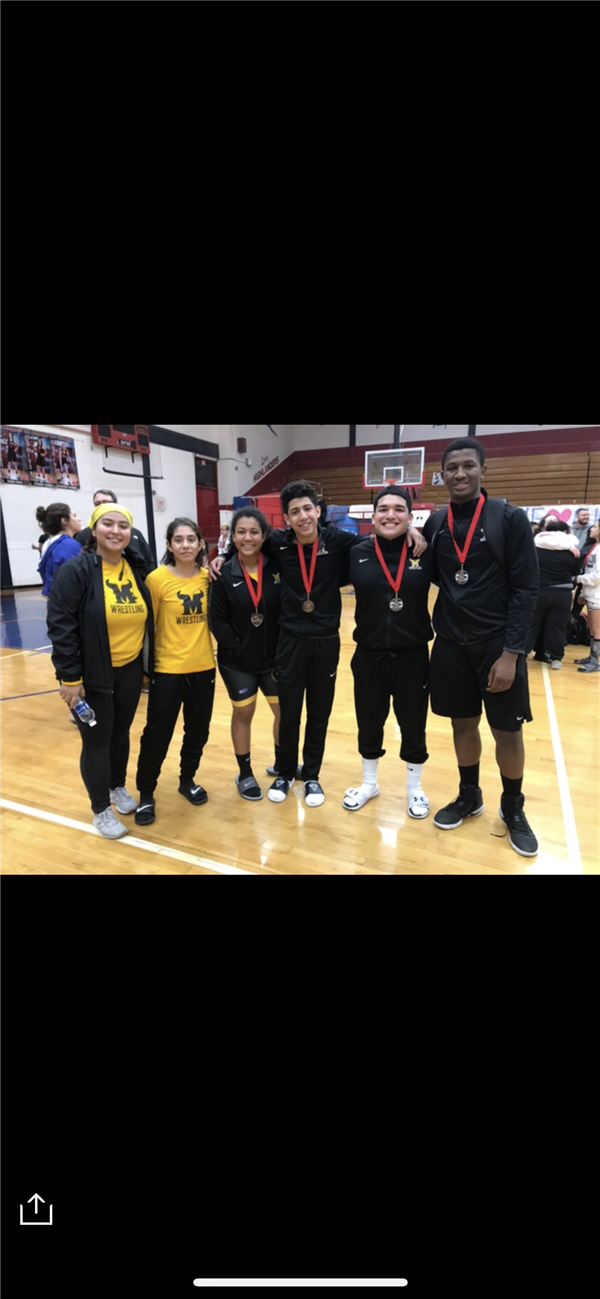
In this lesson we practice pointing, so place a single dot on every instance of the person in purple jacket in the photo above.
(60, 523)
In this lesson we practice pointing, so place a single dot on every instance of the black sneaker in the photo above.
(468, 803)
(194, 793)
(144, 812)
(521, 835)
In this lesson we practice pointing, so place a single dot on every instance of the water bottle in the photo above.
(84, 712)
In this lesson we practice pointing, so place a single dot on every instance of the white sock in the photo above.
(370, 766)
(414, 777)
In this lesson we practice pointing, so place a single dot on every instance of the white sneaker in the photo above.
(106, 822)
(556, 664)
(123, 801)
(355, 798)
(418, 804)
(313, 794)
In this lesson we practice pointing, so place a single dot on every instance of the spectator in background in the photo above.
(138, 547)
(558, 558)
(223, 545)
(581, 526)
(60, 525)
(589, 578)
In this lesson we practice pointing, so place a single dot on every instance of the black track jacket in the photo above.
(334, 545)
(77, 622)
(377, 626)
(230, 609)
(499, 600)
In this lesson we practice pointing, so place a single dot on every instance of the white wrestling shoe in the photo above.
(418, 804)
(355, 798)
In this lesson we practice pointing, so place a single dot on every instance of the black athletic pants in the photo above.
(551, 618)
(305, 665)
(168, 691)
(403, 678)
(105, 746)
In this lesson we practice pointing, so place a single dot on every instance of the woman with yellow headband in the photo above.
(99, 627)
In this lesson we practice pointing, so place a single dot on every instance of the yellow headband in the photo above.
(105, 508)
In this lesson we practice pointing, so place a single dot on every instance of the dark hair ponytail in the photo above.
(50, 518)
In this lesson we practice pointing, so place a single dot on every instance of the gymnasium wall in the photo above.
(530, 464)
(19, 502)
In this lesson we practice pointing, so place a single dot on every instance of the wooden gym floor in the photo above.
(46, 817)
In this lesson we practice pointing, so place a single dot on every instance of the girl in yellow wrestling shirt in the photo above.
(97, 622)
(184, 663)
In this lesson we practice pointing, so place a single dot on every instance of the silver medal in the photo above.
(396, 604)
(257, 619)
(462, 577)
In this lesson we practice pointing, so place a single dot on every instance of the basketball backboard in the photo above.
(405, 466)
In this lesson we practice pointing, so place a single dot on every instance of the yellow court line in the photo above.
(127, 841)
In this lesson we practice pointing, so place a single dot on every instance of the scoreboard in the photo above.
(129, 437)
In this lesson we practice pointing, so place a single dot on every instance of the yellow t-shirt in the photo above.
(126, 613)
(183, 642)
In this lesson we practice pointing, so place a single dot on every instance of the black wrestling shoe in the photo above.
(521, 836)
(468, 803)
(194, 793)
(144, 812)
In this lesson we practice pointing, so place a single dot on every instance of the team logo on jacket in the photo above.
(416, 563)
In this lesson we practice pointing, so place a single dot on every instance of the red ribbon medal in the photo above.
(462, 577)
(396, 603)
(308, 605)
(257, 618)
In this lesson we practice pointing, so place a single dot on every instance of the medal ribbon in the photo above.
(395, 585)
(462, 554)
(256, 595)
(308, 581)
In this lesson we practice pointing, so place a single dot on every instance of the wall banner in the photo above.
(38, 460)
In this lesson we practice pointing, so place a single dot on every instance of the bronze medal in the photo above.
(257, 619)
(308, 606)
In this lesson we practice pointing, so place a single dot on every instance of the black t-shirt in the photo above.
(334, 545)
(500, 598)
(378, 627)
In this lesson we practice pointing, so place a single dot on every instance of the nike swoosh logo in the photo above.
(284, 547)
(363, 561)
(521, 719)
(238, 583)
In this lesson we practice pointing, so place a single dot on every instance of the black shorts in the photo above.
(243, 687)
(458, 676)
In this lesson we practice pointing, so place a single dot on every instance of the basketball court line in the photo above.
(33, 695)
(570, 823)
(36, 650)
(128, 841)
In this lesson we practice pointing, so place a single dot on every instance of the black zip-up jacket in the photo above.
(334, 545)
(499, 600)
(230, 609)
(377, 626)
(77, 622)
